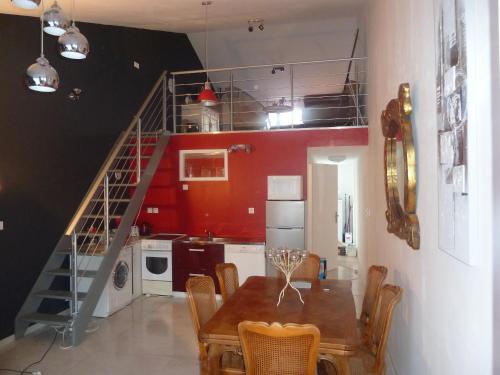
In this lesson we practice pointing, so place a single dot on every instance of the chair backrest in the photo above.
(308, 270)
(201, 297)
(291, 349)
(390, 295)
(375, 279)
(227, 274)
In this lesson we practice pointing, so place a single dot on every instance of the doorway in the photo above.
(334, 220)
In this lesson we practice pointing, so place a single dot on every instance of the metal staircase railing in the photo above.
(114, 197)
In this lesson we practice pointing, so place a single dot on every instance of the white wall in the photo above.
(443, 324)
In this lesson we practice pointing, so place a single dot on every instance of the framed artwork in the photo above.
(452, 125)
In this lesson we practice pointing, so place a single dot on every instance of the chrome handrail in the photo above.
(111, 158)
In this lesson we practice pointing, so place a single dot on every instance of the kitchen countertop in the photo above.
(99, 250)
(223, 240)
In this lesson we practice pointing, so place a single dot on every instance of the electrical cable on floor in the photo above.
(25, 370)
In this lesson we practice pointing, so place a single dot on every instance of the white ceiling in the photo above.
(188, 15)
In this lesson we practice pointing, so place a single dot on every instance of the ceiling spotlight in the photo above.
(277, 69)
(26, 4)
(73, 44)
(54, 20)
(255, 22)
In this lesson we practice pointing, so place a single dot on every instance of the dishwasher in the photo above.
(249, 259)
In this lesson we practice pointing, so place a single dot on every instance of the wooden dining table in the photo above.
(328, 304)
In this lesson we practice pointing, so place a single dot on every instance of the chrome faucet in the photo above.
(210, 234)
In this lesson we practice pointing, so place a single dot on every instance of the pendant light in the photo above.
(41, 76)
(54, 20)
(26, 4)
(207, 97)
(73, 44)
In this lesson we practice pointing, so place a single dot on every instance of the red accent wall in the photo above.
(222, 206)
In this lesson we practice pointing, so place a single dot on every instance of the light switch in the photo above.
(155, 210)
(1, 225)
(251, 210)
(137, 65)
(150, 210)
(185, 187)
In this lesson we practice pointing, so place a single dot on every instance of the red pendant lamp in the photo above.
(207, 96)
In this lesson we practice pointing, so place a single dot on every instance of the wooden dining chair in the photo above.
(375, 279)
(276, 349)
(201, 297)
(370, 359)
(308, 270)
(227, 274)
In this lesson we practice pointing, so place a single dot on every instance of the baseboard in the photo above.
(218, 297)
(35, 328)
(389, 364)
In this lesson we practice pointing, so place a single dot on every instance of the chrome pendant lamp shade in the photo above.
(207, 97)
(54, 20)
(41, 76)
(73, 44)
(26, 4)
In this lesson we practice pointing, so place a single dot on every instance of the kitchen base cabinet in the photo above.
(195, 259)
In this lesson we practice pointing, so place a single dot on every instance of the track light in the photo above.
(26, 4)
(277, 68)
(255, 22)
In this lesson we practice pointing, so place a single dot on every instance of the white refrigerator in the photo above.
(284, 226)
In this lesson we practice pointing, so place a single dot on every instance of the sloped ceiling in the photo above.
(188, 15)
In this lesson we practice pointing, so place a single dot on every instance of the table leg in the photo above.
(214, 358)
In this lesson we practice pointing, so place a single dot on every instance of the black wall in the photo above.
(51, 147)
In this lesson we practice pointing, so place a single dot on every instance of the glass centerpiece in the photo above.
(286, 261)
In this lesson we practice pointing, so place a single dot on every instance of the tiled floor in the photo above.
(153, 335)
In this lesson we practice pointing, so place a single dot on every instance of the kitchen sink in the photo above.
(204, 239)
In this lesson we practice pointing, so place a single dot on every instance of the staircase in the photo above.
(114, 197)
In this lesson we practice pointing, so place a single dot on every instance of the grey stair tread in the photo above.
(158, 132)
(49, 319)
(133, 157)
(123, 200)
(59, 294)
(64, 251)
(114, 185)
(143, 144)
(68, 272)
(100, 216)
(122, 170)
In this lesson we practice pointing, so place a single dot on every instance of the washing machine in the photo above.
(117, 292)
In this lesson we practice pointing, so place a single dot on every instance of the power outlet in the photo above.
(155, 210)
(185, 187)
(251, 210)
(150, 210)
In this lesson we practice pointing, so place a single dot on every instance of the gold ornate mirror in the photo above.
(400, 164)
